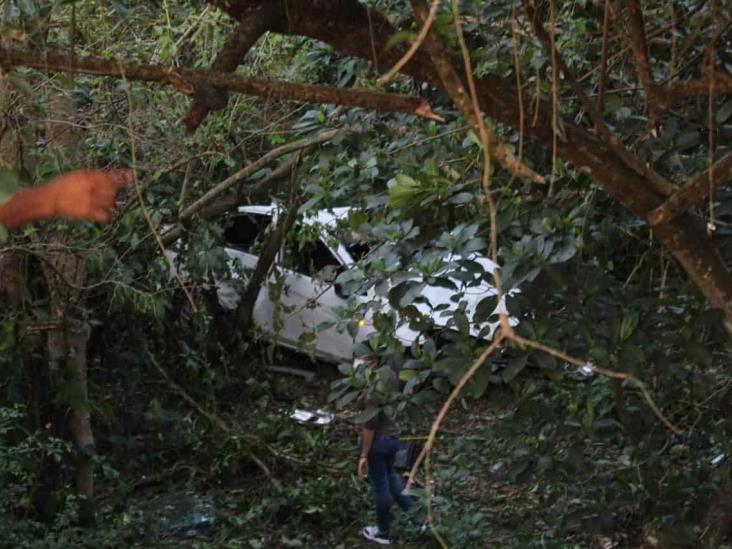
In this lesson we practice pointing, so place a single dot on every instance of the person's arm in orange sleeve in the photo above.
(82, 194)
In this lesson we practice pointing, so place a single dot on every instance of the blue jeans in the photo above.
(385, 483)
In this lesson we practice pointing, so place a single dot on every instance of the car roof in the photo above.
(322, 217)
(329, 218)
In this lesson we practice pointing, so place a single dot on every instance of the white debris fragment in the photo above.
(318, 417)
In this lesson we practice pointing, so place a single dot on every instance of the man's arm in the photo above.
(367, 438)
(83, 194)
(26, 206)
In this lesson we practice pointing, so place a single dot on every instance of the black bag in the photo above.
(406, 454)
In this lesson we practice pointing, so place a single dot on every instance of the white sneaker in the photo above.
(372, 533)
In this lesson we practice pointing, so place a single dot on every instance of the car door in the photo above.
(312, 299)
(244, 234)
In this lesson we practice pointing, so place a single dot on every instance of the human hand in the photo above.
(363, 467)
(87, 194)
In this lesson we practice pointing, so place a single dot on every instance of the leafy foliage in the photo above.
(560, 457)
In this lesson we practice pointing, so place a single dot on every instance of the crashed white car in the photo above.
(310, 303)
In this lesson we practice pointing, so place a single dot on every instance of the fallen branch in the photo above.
(254, 167)
(696, 190)
(188, 80)
(245, 309)
(259, 191)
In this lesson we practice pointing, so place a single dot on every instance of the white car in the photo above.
(307, 303)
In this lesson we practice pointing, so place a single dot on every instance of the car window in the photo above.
(358, 250)
(309, 258)
(242, 230)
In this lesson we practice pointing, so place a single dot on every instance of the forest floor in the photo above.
(313, 498)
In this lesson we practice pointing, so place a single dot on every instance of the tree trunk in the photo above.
(66, 275)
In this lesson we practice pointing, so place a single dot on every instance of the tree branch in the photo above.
(208, 98)
(456, 89)
(187, 80)
(639, 46)
(255, 166)
(696, 190)
(245, 309)
(662, 98)
(659, 183)
(259, 191)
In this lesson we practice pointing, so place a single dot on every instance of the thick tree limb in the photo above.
(639, 46)
(186, 81)
(254, 167)
(344, 25)
(456, 89)
(208, 98)
(660, 97)
(245, 309)
(696, 190)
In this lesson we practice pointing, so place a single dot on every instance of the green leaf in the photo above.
(631, 354)
(628, 325)
(479, 382)
(461, 198)
(403, 294)
(366, 415)
(347, 399)
(724, 112)
(406, 375)
(485, 308)
(688, 139)
(8, 184)
(515, 365)
(400, 37)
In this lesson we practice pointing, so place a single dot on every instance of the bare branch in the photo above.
(639, 46)
(426, 25)
(188, 80)
(695, 190)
